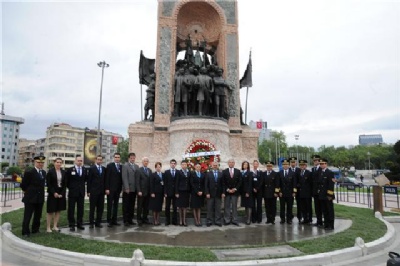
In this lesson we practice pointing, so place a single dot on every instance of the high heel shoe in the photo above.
(56, 229)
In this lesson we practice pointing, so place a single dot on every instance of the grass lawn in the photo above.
(364, 225)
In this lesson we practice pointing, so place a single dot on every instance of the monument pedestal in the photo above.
(164, 144)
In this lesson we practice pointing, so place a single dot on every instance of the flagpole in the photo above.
(245, 113)
(141, 90)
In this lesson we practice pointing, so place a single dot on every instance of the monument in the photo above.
(197, 97)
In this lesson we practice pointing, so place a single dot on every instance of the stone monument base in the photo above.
(165, 143)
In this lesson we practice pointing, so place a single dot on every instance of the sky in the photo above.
(327, 71)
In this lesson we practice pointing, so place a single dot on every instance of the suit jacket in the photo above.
(288, 184)
(143, 182)
(130, 172)
(326, 184)
(197, 183)
(52, 184)
(315, 173)
(96, 181)
(211, 187)
(76, 183)
(33, 186)
(270, 184)
(247, 182)
(156, 183)
(296, 171)
(182, 181)
(257, 180)
(113, 177)
(229, 182)
(169, 183)
(305, 184)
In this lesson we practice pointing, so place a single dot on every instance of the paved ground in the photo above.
(9, 258)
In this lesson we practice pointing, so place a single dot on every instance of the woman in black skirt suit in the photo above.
(156, 193)
(197, 182)
(182, 192)
(56, 201)
(247, 189)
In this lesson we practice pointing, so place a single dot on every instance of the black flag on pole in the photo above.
(247, 79)
(146, 68)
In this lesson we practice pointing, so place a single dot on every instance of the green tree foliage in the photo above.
(14, 170)
(123, 149)
(50, 165)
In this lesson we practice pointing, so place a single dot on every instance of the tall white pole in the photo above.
(101, 64)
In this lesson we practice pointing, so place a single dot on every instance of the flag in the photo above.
(247, 80)
(114, 140)
(146, 68)
(259, 125)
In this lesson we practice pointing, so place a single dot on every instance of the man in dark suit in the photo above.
(270, 191)
(143, 195)
(304, 192)
(96, 191)
(288, 189)
(315, 172)
(231, 183)
(296, 170)
(76, 177)
(326, 186)
(256, 215)
(33, 187)
(169, 193)
(113, 189)
(130, 172)
(213, 191)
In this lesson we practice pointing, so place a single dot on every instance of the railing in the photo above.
(363, 195)
(10, 191)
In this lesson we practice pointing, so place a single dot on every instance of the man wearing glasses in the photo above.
(33, 187)
(326, 194)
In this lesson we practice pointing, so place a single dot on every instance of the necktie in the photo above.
(215, 176)
(159, 174)
(100, 169)
(79, 171)
(198, 174)
(145, 170)
(285, 173)
(302, 173)
(173, 172)
(41, 174)
(268, 173)
(231, 170)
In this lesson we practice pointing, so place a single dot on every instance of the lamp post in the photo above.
(369, 162)
(101, 64)
(296, 137)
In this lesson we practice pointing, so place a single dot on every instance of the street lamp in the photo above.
(369, 162)
(296, 137)
(101, 64)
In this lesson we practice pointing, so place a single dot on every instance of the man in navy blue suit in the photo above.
(113, 188)
(95, 192)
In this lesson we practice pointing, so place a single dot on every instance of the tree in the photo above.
(276, 146)
(14, 170)
(50, 165)
(123, 149)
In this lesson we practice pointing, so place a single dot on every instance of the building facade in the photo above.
(264, 132)
(367, 140)
(26, 152)
(10, 129)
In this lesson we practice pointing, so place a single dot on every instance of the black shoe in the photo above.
(72, 229)
(80, 227)
(267, 222)
(99, 226)
(282, 222)
(166, 224)
(273, 222)
(218, 224)
(25, 235)
(248, 223)
(227, 223)
(116, 223)
(235, 223)
(140, 223)
(36, 232)
(91, 226)
(329, 227)
(289, 222)
(146, 222)
(110, 225)
(132, 223)
(208, 224)
(126, 224)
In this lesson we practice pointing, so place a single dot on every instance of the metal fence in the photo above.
(364, 195)
(10, 191)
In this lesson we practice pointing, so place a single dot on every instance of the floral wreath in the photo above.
(201, 145)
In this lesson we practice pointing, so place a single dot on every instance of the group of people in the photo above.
(180, 189)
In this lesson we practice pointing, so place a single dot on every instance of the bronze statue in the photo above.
(219, 93)
(181, 94)
(150, 96)
(205, 86)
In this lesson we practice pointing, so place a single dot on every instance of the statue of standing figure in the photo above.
(181, 93)
(150, 96)
(219, 93)
(205, 87)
